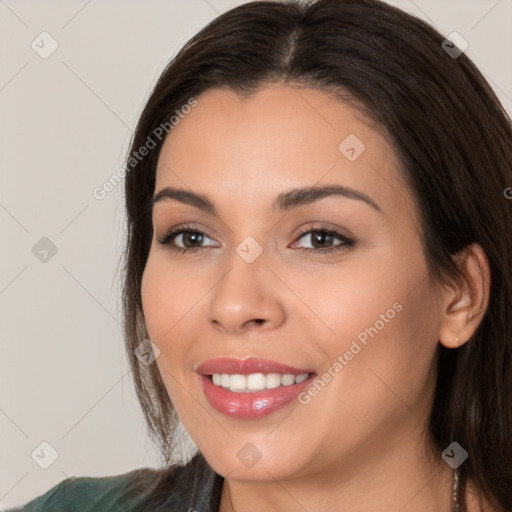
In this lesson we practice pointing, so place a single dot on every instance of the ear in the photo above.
(464, 309)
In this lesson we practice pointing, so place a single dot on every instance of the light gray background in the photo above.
(65, 126)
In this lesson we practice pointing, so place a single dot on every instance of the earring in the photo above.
(456, 507)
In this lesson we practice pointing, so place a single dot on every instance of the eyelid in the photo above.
(173, 233)
(346, 241)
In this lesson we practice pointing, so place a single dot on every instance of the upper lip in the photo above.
(247, 366)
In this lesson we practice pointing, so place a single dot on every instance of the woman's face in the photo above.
(263, 276)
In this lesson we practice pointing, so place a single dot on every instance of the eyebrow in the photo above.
(284, 202)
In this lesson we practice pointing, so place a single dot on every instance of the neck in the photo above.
(395, 480)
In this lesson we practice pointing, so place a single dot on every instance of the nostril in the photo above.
(255, 321)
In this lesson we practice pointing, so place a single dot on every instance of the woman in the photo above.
(318, 248)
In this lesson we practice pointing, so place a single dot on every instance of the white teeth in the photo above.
(288, 380)
(273, 380)
(301, 378)
(237, 382)
(256, 381)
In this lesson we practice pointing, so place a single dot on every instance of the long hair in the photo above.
(454, 140)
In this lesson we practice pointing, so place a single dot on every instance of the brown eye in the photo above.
(184, 240)
(323, 240)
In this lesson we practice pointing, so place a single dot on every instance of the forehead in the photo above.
(279, 137)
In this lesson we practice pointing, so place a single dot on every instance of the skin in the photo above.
(359, 444)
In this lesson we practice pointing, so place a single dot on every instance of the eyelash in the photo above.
(171, 235)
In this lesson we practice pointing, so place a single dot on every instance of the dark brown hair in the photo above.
(454, 140)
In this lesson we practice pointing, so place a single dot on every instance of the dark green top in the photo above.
(191, 488)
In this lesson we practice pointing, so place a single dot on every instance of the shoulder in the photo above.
(120, 492)
(139, 490)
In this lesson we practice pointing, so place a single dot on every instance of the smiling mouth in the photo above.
(252, 387)
(254, 382)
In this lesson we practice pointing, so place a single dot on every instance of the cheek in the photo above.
(344, 302)
(174, 305)
(386, 340)
(377, 314)
(388, 350)
(165, 302)
(166, 297)
(156, 293)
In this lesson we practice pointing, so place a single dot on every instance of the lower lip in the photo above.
(254, 404)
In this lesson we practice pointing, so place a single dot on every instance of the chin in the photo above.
(251, 462)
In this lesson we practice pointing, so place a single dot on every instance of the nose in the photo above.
(247, 297)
